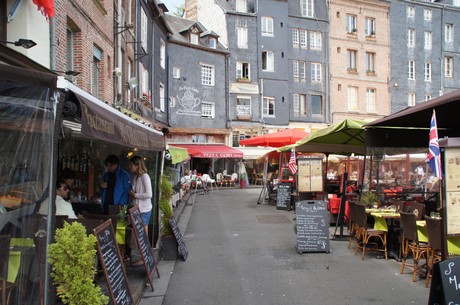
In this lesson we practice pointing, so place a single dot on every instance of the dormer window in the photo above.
(242, 6)
(212, 42)
(194, 38)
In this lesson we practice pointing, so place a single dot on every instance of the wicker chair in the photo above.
(435, 244)
(410, 243)
(366, 234)
(418, 209)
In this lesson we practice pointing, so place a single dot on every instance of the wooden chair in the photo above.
(435, 244)
(365, 234)
(5, 241)
(410, 243)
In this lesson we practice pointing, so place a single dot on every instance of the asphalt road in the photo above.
(235, 259)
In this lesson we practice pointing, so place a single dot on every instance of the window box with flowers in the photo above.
(370, 72)
(352, 70)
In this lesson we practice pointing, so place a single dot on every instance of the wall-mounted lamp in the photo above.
(25, 43)
(396, 85)
(68, 72)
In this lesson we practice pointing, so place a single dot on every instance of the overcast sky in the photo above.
(172, 4)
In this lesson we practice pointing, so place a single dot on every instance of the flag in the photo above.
(292, 164)
(434, 153)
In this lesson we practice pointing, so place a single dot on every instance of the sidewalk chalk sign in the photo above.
(283, 197)
(445, 284)
(312, 226)
(143, 244)
(112, 264)
(180, 242)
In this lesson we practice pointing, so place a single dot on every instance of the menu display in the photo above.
(112, 265)
(143, 243)
(445, 285)
(310, 175)
(452, 168)
(180, 242)
(283, 197)
(312, 226)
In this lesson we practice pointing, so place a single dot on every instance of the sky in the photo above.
(171, 4)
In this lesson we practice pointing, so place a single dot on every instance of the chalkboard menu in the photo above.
(445, 285)
(143, 243)
(112, 264)
(283, 196)
(312, 226)
(180, 242)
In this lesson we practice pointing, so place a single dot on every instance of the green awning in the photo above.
(178, 154)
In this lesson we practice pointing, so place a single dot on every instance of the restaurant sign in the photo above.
(103, 123)
(244, 88)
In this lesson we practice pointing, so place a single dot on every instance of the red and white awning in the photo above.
(211, 151)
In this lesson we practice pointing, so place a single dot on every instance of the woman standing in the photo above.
(141, 191)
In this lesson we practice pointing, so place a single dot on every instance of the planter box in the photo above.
(169, 248)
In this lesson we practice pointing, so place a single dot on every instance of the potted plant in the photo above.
(72, 258)
(369, 199)
(168, 241)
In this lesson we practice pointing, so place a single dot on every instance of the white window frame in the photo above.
(303, 38)
(307, 8)
(176, 72)
(410, 12)
(352, 98)
(299, 105)
(241, 6)
(194, 38)
(449, 32)
(448, 66)
(351, 59)
(427, 14)
(428, 45)
(267, 26)
(302, 70)
(295, 38)
(267, 101)
(411, 38)
(370, 26)
(411, 99)
(208, 110)
(316, 40)
(162, 53)
(316, 72)
(351, 23)
(207, 74)
(240, 70)
(243, 109)
(162, 98)
(427, 72)
(144, 30)
(411, 69)
(269, 61)
(242, 37)
(370, 62)
(370, 100)
(212, 42)
(295, 69)
(456, 3)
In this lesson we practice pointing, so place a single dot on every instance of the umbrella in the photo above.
(276, 139)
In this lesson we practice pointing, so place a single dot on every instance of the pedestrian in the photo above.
(115, 184)
(68, 176)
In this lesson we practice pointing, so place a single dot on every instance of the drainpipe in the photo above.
(53, 43)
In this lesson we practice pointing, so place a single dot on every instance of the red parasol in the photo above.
(276, 139)
(46, 7)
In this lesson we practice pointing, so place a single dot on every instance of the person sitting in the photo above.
(63, 208)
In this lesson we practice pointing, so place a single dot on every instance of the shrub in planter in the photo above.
(168, 241)
(72, 258)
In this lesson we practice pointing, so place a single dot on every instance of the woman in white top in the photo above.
(141, 192)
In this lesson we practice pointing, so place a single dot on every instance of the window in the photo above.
(267, 26)
(69, 50)
(411, 99)
(299, 104)
(456, 3)
(370, 26)
(449, 32)
(351, 24)
(194, 38)
(162, 98)
(302, 74)
(303, 39)
(316, 41)
(295, 69)
(427, 41)
(241, 6)
(370, 62)
(172, 102)
(411, 69)
(351, 60)
(306, 8)
(316, 105)
(268, 61)
(448, 66)
(427, 14)
(410, 11)
(268, 107)
(242, 70)
(295, 38)
(207, 109)
(427, 72)
(243, 106)
(352, 98)
(162, 53)
(144, 80)
(176, 72)
(370, 100)
(207, 75)
(97, 56)
(242, 36)
(427, 97)
(144, 28)
(212, 42)
(315, 72)
(411, 38)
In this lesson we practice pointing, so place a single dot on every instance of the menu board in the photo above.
(112, 264)
(452, 168)
(445, 284)
(310, 174)
(143, 243)
(283, 196)
(312, 226)
(180, 242)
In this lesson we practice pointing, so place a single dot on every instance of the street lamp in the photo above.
(25, 43)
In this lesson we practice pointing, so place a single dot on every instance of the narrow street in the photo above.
(241, 253)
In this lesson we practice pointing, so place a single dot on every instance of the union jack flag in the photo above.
(434, 153)
(292, 164)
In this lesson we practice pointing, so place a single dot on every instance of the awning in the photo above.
(178, 154)
(252, 153)
(211, 151)
(103, 122)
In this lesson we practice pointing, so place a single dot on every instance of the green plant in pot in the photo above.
(168, 241)
(72, 258)
(369, 199)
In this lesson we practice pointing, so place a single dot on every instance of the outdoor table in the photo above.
(453, 242)
(381, 216)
